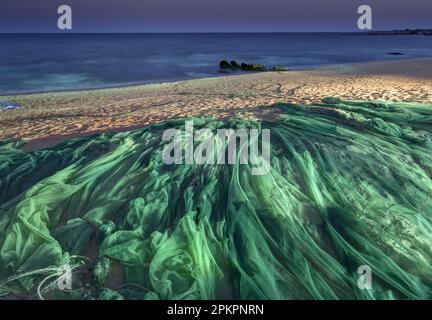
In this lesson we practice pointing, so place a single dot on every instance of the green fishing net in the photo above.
(350, 184)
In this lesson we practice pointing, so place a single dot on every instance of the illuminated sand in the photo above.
(350, 184)
(52, 117)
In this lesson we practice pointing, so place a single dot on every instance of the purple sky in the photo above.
(212, 15)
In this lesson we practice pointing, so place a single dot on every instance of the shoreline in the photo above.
(322, 67)
(53, 117)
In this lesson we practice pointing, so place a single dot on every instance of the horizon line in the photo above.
(213, 32)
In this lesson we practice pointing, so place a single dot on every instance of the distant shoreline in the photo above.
(406, 32)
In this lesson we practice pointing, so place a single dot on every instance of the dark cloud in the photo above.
(211, 15)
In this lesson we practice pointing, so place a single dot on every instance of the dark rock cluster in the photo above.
(225, 66)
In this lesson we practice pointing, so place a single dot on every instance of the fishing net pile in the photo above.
(350, 184)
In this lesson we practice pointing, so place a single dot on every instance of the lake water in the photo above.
(57, 62)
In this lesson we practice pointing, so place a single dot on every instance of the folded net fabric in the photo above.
(350, 184)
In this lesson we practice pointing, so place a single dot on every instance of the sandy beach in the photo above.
(50, 118)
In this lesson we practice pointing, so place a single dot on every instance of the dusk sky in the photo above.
(212, 15)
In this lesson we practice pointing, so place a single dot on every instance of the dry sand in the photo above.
(49, 118)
